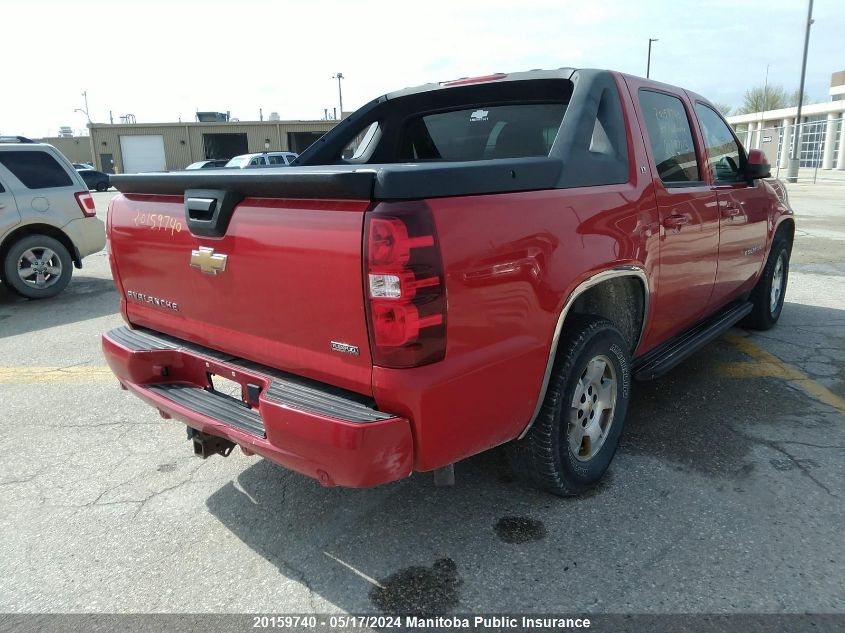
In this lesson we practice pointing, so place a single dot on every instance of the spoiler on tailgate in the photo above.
(394, 181)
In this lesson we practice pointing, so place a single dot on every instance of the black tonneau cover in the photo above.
(396, 181)
(339, 182)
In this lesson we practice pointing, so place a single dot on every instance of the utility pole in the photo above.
(648, 63)
(795, 158)
(339, 76)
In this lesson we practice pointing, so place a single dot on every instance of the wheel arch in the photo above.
(40, 229)
(598, 295)
(785, 226)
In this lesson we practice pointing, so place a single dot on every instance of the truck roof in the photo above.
(528, 75)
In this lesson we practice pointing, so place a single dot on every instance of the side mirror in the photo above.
(757, 166)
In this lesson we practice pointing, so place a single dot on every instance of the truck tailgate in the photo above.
(282, 287)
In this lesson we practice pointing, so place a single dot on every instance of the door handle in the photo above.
(2, 206)
(675, 221)
(730, 211)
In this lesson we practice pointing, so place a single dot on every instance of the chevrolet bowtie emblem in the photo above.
(207, 261)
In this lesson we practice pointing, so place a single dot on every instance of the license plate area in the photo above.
(226, 387)
(232, 383)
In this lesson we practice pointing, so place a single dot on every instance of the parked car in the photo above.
(94, 179)
(48, 220)
(576, 252)
(208, 164)
(262, 159)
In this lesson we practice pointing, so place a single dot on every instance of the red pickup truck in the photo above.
(453, 267)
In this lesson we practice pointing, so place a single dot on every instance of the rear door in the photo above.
(9, 216)
(687, 207)
(43, 182)
(743, 209)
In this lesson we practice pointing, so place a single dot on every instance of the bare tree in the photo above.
(724, 108)
(760, 98)
(792, 100)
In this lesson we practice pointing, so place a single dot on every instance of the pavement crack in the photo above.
(22, 480)
(143, 502)
(832, 446)
(801, 466)
(302, 580)
(775, 445)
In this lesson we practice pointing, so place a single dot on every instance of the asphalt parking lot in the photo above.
(726, 496)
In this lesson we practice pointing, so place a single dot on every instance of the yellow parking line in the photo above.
(78, 373)
(769, 365)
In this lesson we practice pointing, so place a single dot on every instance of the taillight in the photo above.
(405, 286)
(86, 203)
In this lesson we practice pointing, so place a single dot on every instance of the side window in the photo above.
(670, 136)
(258, 160)
(276, 160)
(723, 153)
(36, 170)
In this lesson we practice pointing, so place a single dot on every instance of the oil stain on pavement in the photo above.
(513, 529)
(419, 590)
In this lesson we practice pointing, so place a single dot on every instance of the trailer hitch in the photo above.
(206, 445)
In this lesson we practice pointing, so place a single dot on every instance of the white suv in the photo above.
(262, 159)
(48, 221)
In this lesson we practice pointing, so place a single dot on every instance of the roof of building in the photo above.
(811, 109)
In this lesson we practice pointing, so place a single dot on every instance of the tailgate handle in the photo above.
(208, 211)
(200, 208)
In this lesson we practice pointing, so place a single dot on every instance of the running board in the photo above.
(666, 355)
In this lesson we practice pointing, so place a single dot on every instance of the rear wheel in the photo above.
(37, 267)
(102, 186)
(572, 442)
(770, 290)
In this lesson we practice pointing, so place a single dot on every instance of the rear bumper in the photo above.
(329, 434)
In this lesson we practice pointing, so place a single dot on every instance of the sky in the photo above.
(164, 60)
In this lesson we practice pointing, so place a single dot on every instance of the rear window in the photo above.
(486, 132)
(36, 170)
(670, 135)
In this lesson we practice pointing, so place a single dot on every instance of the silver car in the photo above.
(48, 221)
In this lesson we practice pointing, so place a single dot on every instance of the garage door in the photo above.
(142, 153)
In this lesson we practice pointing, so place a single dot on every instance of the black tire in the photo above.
(763, 316)
(57, 282)
(102, 186)
(544, 457)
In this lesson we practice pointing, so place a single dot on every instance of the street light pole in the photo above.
(795, 158)
(339, 76)
(85, 111)
(648, 64)
(764, 107)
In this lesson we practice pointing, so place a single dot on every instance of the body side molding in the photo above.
(617, 271)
